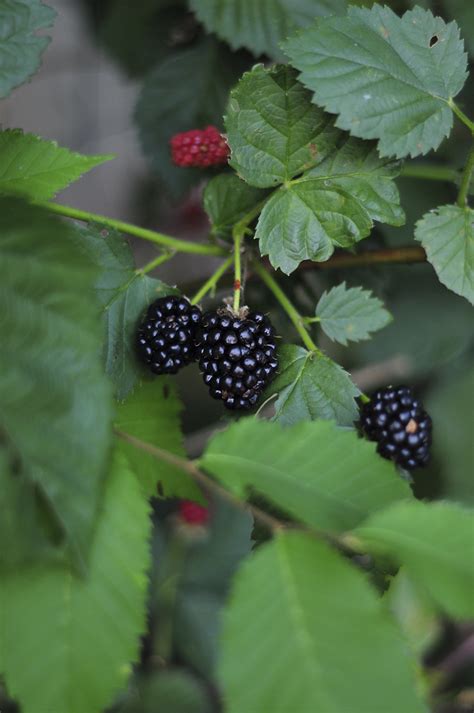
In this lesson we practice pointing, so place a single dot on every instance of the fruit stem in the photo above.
(289, 308)
(237, 235)
(175, 244)
(466, 180)
(212, 281)
(156, 262)
(461, 115)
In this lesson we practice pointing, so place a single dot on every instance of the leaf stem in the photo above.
(289, 308)
(156, 262)
(429, 172)
(212, 281)
(466, 180)
(461, 115)
(153, 236)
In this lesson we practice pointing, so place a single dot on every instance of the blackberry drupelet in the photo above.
(400, 425)
(166, 336)
(237, 355)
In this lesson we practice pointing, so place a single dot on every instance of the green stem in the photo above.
(289, 308)
(429, 172)
(153, 264)
(311, 320)
(168, 241)
(466, 180)
(462, 116)
(238, 235)
(212, 281)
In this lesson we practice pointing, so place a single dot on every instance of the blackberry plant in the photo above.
(253, 544)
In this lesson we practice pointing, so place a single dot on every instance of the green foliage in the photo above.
(66, 643)
(327, 477)
(435, 545)
(310, 386)
(38, 169)
(152, 414)
(447, 235)
(261, 26)
(176, 97)
(388, 78)
(169, 692)
(350, 314)
(20, 46)
(50, 373)
(124, 294)
(329, 651)
(227, 199)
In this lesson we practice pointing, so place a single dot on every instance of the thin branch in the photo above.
(211, 283)
(466, 180)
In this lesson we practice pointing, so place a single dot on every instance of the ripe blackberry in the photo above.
(199, 147)
(399, 424)
(237, 355)
(165, 337)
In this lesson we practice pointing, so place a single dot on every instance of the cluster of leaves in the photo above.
(304, 628)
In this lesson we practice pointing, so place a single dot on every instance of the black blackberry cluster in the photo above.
(399, 424)
(237, 356)
(166, 336)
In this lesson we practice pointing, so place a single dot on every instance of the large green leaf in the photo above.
(176, 97)
(388, 78)
(260, 26)
(124, 294)
(311, 386)
(67, 644)
(350, 314)
(20, 46)
(38, 169)
(50, 368)
(447, 235)
(152, 414)
(227, 199)
(333, 648)
(324, 476)
(435, 544)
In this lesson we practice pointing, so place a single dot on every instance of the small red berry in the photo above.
(192, 513)
(199, 147)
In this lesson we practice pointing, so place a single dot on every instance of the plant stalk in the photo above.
(466, 180)
(212, 281)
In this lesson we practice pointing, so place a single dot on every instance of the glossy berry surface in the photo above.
(192, 513)
(399, 424)
(165, 339)
(237, 356)
(199, 147)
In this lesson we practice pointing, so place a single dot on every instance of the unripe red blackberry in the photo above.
(237, 356)
(199, 147)
(192, 513)
(165, 339)
(399, 424)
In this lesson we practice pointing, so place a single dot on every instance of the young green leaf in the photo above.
(50, 369)
(350, 314)
(82, 634)
(260, 27)
(388, 78)
(324, 476)
(227, 199)
(20, 46)
(311, 386)
(38, 169)
(332, 645)
(447, 235)
(124, 294)
(152, 414)
(435, 544)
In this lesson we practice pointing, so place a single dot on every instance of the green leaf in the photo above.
(81, 635)
(324, 476)
(434, 543)
(38, 169)
(350, 314)
(20, 46)
(168, 691)
(447, 235)
(311, 386)
(273, 130)
(388, 78)
(332, 645)
(124, 295)
(261, 26)
(50, 369)
(152, 414)
(175, 97)
(227, 199)
(305, 221)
